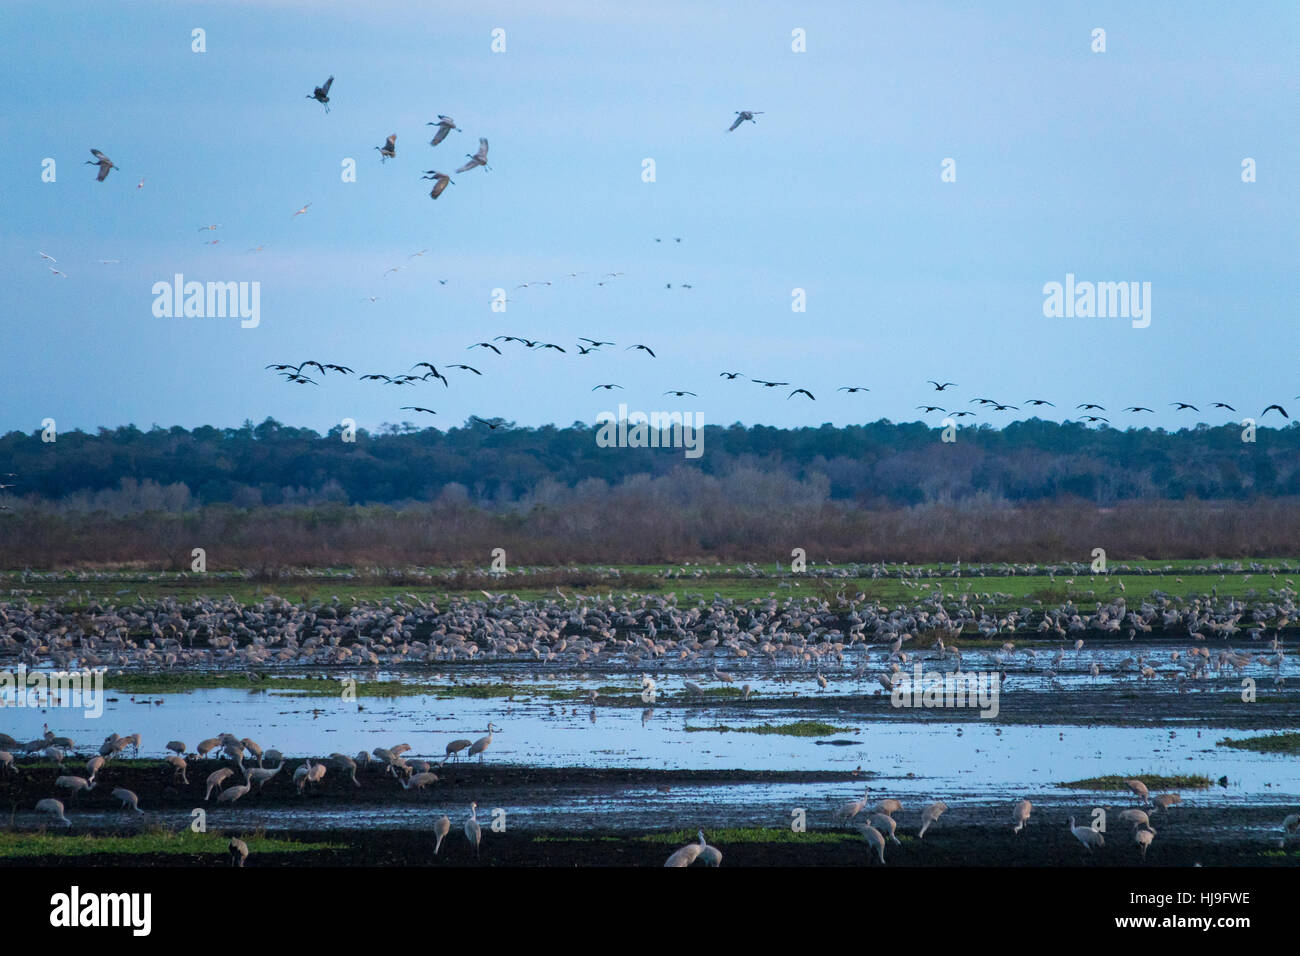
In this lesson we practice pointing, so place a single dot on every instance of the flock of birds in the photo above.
(409, 774)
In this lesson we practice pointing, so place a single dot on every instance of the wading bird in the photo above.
(440, 182)
(238, 851)
(482, 743)
(389, 149)
(441, 829)
(1020, 814)
(473, 832)
(54, 808)
(103, 162)
(478, 159)
(455, 747)
(1143, 835)
(1087, 836)
(128, 798)
(445, 125)
(321, 94)
(1138, 787)
(929, 814)
(873, 837)
(741, 116)
(687, 854)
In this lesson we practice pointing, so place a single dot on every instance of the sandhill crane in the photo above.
(389, 149)
(419, 781)
(1143, 835)
(105, 165)
(1135, 817)
(94, 765)
(455, 747)
(178, 768)
(473, 832)
(886, 824)
(1138, 787)
(322, 94)
(1087, 836)
(231, 794)
(216, 779)
(1280, 409)
(929, 814)
(260, 776)
(128, 798)
(710, 855)
(694, 689)
(74, 784)
(207, 746)
(874, 838)
(252, 747)
(742, 115)
(478, 159)
(445, 125)
(344, 762)
(689, 853)
(851, 809)
(441, 829)
(238, 851)
(1020, 814)
(7, 761)
(440, 183)
(54, 808)
(889, 806)
(482, 743)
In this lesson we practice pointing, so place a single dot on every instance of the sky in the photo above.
(1123, 165)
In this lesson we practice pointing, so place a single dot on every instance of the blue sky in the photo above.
(1120, 166)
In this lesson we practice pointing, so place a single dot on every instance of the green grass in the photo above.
(1288, 743)
(155, 841)
(753, 835)
(801, 728)
(1154, 781)
(173, 682)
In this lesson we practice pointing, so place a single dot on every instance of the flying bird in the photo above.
(767, 384)
(730, 376)
(485, 345)
(1038, 401)
(103, 162)
(940, 388)
(300, 212)
(1087, 406)
(1139, 408)
(929, 408)
(468, 368)
(417, 408)
(594, 343)
(478, 159)
(1271, 407)
(800, 391)
(607, 387)
(853, 388)
(445, 125)
(440, 182)
(322, 94)
(680, 394)
(494, 424)
(644, 348)
(1182, 405)
(389, 149)
(741, 116)
(1224, 405)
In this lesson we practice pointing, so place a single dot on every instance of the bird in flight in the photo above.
(485, 345)
(929, 408)
(644, 348)
(417, 408)
(1139, 408)
(322, 94)
(478, 159)
(1271, 407)
(1224, 405)
(962, 414)
(1038, 401)
(1182, 405)
(300, 212)
(375, 376)
(730, 376)
(853, 388)
(440, 182)
(1095, 418)
(741, 116)
(801, 391)
(389, 149)
(1088, 406)
(432, 372)
(607, 387)
(766, 384)
(594, 343)
(494, 424)
(445, 125)
(44, 256)
(679, 393)
(467, 368)
(103, 162)
(300, 379)
(1003, 408)
(940, 388)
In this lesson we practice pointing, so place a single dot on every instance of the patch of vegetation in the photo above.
(1153, 781)
(801, 728)
(1288, 743)
(173, 682)
(575, 839)
(58, 843)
